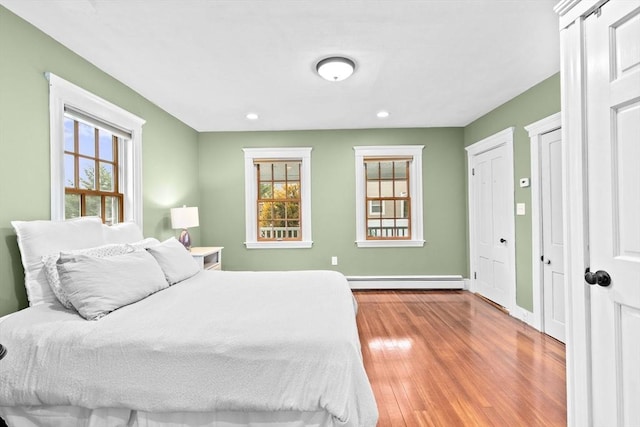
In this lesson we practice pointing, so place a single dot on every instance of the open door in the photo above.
(600, 55)
(612, 37)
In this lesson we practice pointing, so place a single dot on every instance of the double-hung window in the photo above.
(96, 156)
(91, 170)
(278, 197)
(389, 196)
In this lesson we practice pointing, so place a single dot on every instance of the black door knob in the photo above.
(600, 278)
(503, 240)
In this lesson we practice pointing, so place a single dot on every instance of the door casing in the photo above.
(504, 137)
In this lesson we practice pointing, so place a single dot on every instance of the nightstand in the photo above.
(208, 258)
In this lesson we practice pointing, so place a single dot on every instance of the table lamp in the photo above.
(184, 218)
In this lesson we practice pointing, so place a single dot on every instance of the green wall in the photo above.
(170, 148)
(222, 210)
(181, 166)
(536, 103)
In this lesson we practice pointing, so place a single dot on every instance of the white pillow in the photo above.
(51, 269)
(176, 262)
(39, 238)
(144, 244)
(97, 286)
(125, 232)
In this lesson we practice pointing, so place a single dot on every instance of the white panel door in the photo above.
(613, 144)
(492, 275)
(553, 282)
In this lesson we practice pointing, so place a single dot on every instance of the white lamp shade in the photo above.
(184, 217)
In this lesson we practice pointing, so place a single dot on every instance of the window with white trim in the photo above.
(389, 196)
(278, 197)
(96, 156)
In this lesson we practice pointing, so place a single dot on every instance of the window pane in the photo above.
(106, 177)
(86, 140)
(387, 209)
(265, 212)
(266, 190)
(386, 170)
(93, 206)
(373, 189)
(69, 172)
(265, 171)
(68, 134)
(279, 210)
(293, 210)
(373, 171)
(71, 206)
(278, 191)
(402, 188)
(386, 188)
(293, 171)
(293, 190)
(265, 230)
(401, 209)
(87, 174)
(374, 227)
(279, 171)
(105, 145)
(112, 211)
(400, 169)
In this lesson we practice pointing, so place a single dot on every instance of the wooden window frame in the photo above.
(298, 200)
(97, 160)
(393, 199)
(415, 206)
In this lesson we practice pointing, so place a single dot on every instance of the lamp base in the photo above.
(185, 239)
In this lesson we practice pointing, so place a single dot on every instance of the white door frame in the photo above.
(501, 138)
(576, 221)
(536, 130)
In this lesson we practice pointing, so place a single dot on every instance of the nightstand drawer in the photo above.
(208, 258)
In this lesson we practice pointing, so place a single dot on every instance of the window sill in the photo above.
(303, 244)
(390, 243)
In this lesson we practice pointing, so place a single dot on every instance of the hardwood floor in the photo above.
(449, 358)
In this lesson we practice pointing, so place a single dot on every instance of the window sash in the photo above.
(285, 228)
(393, 223)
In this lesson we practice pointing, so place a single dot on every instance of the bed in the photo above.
(218, 348)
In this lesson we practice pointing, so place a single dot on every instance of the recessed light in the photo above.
(252, 116)
(382, 114)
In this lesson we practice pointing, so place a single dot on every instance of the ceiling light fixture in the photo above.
(335, 68)
(382, 114)
(252, 116)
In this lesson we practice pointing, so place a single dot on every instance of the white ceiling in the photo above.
(429, 63)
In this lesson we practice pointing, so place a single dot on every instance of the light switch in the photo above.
(520, 209)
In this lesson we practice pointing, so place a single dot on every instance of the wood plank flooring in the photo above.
(449, 358)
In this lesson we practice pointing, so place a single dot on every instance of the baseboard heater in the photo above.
(406, 282)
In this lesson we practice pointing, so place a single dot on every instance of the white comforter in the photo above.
(221, 340)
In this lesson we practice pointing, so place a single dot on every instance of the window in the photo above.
(96, 156)
(278, 200)
(278, 197)
(91, 185)
(389, 196)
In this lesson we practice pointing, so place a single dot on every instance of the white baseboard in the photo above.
(406, 282)
(525, 315)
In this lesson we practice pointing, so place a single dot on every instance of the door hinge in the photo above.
(473, 171)
(475, 275)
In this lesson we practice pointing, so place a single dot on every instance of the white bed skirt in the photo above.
(73, 416)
